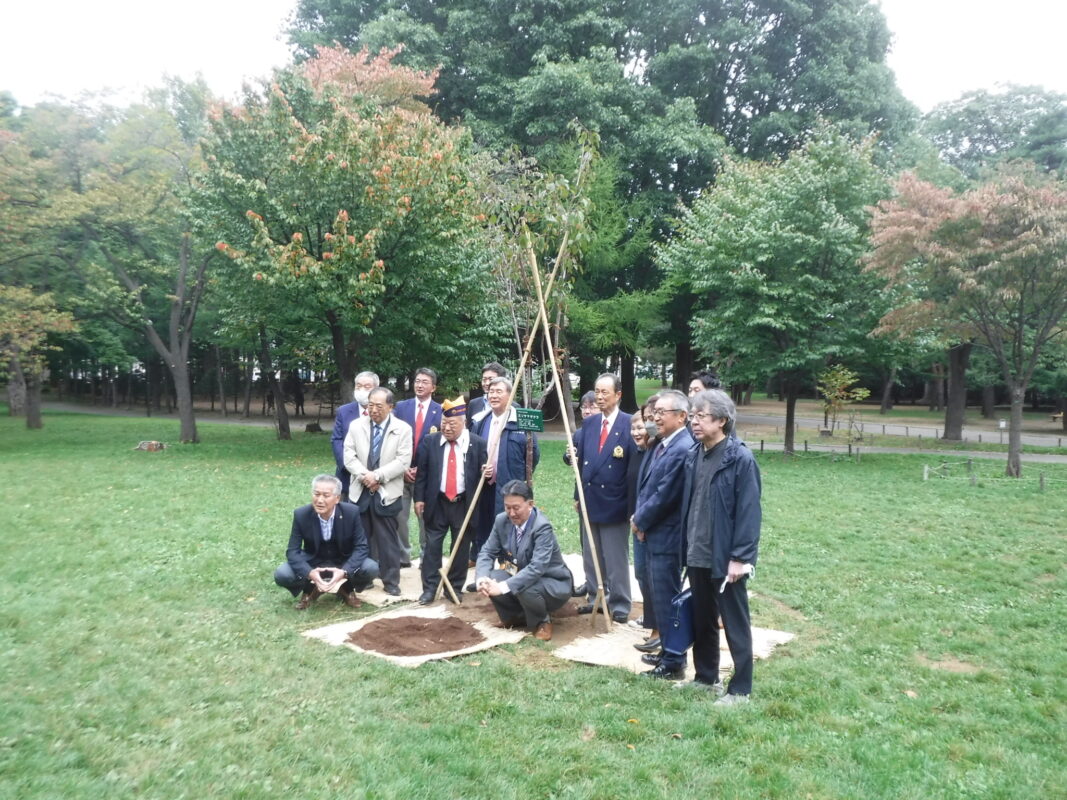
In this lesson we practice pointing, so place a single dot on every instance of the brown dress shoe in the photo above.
(348, 597)
(308, 599)
(544, 631)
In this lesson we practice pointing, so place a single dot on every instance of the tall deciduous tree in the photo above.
(997, 255)
(772, 252)
(26, 320)
(338, 189)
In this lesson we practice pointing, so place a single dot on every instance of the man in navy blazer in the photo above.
(506, 445)
(423, 414)
(658, 518)
(604, 448)
(477, 405)
(365, 383)
(449, 466)
(327, 550)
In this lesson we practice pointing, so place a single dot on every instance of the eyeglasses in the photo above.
(658, 412)
(377, 406)
(704, 415)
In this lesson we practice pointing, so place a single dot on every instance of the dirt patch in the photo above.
(779, 606)
(948, 665)
(416, 636)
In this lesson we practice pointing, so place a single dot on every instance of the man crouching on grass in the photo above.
(533, 579)
(328, 550)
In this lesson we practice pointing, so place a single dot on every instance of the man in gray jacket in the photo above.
(532, 579)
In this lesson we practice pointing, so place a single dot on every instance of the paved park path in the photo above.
(554, 432)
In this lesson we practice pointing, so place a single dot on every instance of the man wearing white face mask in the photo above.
(365, 383)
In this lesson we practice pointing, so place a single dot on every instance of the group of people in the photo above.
(672, 477)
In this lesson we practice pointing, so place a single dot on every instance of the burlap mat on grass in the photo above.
(338, 633)
(616, 649)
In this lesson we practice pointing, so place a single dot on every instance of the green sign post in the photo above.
(530, 419)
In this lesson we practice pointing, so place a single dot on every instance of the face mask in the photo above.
(653, 432)
(362, 396)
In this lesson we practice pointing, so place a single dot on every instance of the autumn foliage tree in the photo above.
(337, 193)
(994, 257)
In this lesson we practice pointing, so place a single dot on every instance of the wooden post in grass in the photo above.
(1041, 481)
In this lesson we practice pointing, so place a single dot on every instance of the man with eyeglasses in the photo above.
(327, 549)
(477, 407)
(364, 383)
(658, 518)
(721, 515)
(377, 454)
(423, 414)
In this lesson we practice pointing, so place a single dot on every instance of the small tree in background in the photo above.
(835, 384)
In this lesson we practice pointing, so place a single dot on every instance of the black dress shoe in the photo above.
(471, 588)
(585, 609)
(394, 591)
(667, 673)
(620, 617)
(579, 591)
(648, 645)
(652, 659)
(426, 598)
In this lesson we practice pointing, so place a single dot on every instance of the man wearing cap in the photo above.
(448, 464)
(377, 452)
(521, 568)
(423, 415)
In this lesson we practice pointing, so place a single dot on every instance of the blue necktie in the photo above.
(376, 442)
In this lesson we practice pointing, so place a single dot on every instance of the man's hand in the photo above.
(315, 576)
(419, 508)
(489, 470)
(640, 534)
(736, 571)
(370, 481)
(409, 475)
(487, 587)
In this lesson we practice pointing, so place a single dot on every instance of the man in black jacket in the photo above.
(327, 550)
(449, 466)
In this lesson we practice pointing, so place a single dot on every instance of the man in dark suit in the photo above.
(423, 414)
(532, 580)
(604, 448)
(327, 548)
(506, 461)
(478, 405)
(449, 466)
(658, 518)
(365, 383)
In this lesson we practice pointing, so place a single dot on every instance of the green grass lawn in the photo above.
(145, 651)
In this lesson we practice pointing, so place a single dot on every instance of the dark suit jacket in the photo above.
(538, 557)
(511, 455)
(475, 406)
(306, 544)
(604, 472)
(735, 506)
(406, 410)
(659, 496)
(346, 415)
(431, 461)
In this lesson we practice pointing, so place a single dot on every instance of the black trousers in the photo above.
(446, 517)
(732, 605)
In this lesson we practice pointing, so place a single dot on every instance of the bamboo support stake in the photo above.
(601, 599)
(444, 583)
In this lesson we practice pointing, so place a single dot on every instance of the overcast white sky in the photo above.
(942, 47)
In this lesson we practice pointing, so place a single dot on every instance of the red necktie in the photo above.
(450, 473)
(418, 425)
(603, 435)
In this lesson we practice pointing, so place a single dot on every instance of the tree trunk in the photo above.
(887, 392)
(221, 381)
(33, 400)
(281, 416)
(936, 389)
(989, 401)
(747, 399)
(683, 361)
(791, 394)
(16, 389)
(956, 407)
(346, 368)
(629, 383)
(183, 395)
(250, 380)
(1015, 430)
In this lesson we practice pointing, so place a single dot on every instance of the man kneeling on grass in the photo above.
(532, 579)
(328, 549)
